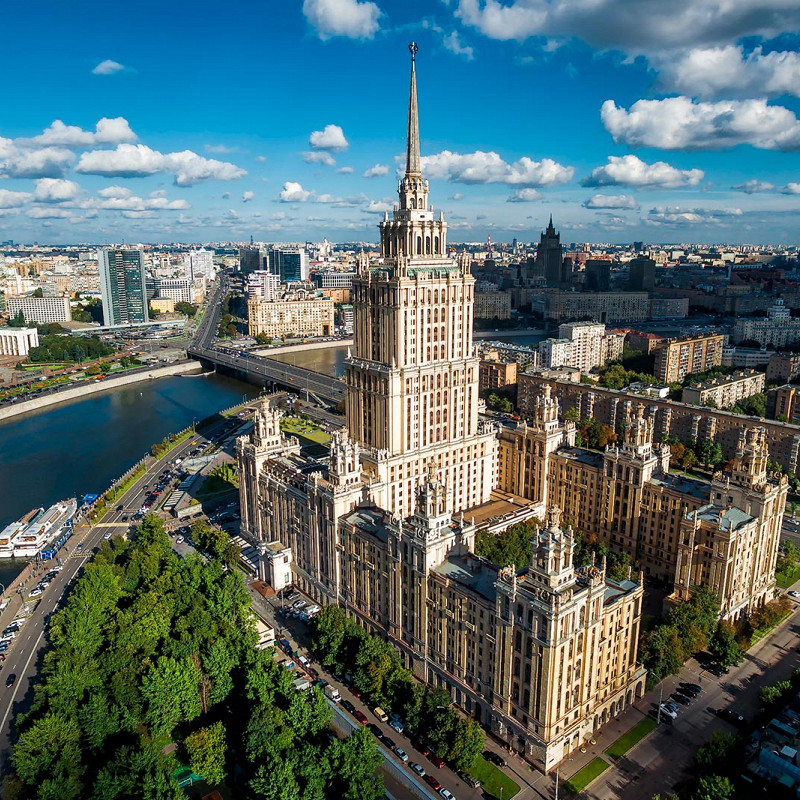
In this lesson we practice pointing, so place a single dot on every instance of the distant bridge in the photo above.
(258, 370)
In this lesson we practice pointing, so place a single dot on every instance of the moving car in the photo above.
(11, 680)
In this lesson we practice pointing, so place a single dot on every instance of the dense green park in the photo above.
(153, 669)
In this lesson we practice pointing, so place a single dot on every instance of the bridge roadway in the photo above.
(259, 369)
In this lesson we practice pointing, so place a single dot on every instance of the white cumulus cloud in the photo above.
(611, 201)
(678, 123)
(108, 67)
(633, 26)
(345, 170)
(319, 157)
(753, 186)
(378, 207)
(133, 161)
(248, 196)
(56, 190)
(46, 162)
(791, 188)
(293, 192)
(348, 18)
(632, 171)
(114, 130)
(489, 167)
(9, 199)
(676, 215)
(729, 71)
(331, 137)
(453, 43)
(524, 196)
(376, 171)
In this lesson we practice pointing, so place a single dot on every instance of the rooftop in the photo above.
(582, 456)
(728, 519)
(683, 485)
(471, 572)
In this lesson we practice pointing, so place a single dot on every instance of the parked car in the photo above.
(447, 795)
(401, 754)
(667, 711)
(433, 782)
(731, 716)
(179, 540)
(35, 592)
(418, 768)
(346, 704)
(681, 698)
(794, 593)
(691, 689)
(494, 758)
(396, 725)
(439, 762)
(388, 742)
(474, 783)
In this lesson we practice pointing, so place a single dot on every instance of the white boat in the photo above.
(42, 530)
(10, 531)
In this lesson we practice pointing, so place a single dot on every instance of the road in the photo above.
(533, 785)
(663, 758)
(24, 657)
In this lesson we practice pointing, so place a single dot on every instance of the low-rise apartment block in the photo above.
(291, 314)
(725, 391)
(492, 305)
(494, 373)
(40, 309)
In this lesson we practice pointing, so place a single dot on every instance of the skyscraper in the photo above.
(122, 285)
(642, 276)
(291, 263)
(550, 259)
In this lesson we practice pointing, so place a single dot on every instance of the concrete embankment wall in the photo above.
(296, 348)
(92, 387)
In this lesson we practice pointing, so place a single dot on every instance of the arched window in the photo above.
(411, 203)
(435, 314)
(429, 353)
(419, 245)
(428, 245)
(436, 245)
(435, 295)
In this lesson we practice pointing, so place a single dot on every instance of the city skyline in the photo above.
(672, 128)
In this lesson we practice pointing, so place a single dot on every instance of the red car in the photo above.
(433, 782)
(360, 716)
(438, 761)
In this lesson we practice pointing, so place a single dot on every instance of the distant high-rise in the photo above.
(550, 259)
(642, 276)
(598, 275)
(251, 259)
(291, 263)
(199, 264)
(122, 285)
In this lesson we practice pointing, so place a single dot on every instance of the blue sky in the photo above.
(627, 119)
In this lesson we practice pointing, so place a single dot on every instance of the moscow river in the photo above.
(80, 447)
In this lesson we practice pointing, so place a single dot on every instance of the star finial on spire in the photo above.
(413, 49)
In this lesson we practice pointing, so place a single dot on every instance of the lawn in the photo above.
(492, 779)
(786, 579)
(631, 738)
(305, 430)
(580, 780)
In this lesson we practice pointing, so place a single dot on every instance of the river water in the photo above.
(81, 446)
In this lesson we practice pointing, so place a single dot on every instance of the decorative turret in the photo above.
(638, 436)
(267, 434)
(545, 411)
(551, 557)
(749, 466)
(345, 460)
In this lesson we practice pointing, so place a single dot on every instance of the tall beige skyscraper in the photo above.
(412, 378)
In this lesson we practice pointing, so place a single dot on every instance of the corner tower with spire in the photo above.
(412, 377)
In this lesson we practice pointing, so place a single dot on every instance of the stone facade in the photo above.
(542, 655)
(678, 358)
(725, 391)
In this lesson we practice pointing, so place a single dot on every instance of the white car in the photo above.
(401, 754)
(448, 795)
(107, 536)
(179, 540)
(418, 768)
(668, 711)
(35, 592)
(794, 593)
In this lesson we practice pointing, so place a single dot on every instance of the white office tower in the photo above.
(199, 263)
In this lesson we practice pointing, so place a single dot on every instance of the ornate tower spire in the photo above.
(412, 152)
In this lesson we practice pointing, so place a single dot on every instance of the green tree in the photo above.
(713, 787)
(276, 780)
(788, 556)
(17, 321)
(709, 755)
(468, 742)
(329, 634)
(360, 761)
(512, 546)
(662, 653)
(206, 749)
(39, 292)
(171, 690)
(723, 645)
